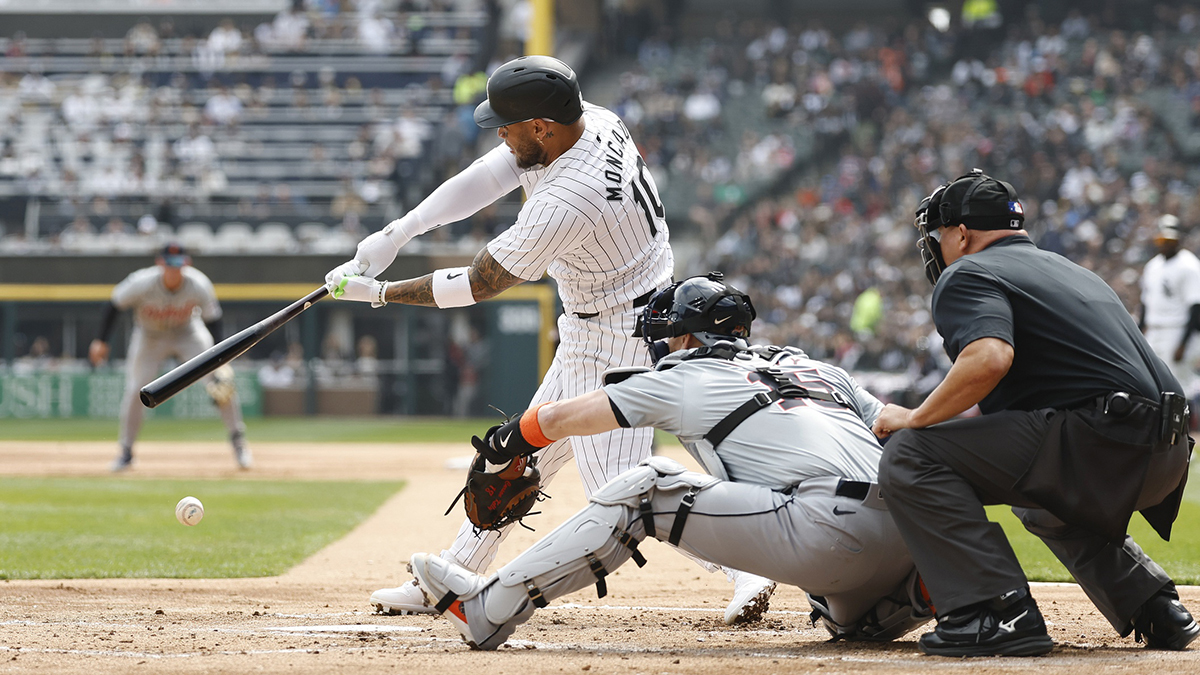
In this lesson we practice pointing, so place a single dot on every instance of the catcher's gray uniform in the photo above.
(792, 497)
(166, 324)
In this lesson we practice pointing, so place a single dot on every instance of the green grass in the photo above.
(282, 429)
(60, 528)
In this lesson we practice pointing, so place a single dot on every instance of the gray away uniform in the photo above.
(778, 503)
(166, 324)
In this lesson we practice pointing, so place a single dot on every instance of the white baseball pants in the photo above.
(1163, 340)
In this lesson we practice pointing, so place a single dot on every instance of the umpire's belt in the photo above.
(639, 301)
(866, 493)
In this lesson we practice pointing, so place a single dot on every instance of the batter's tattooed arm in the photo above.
(488, 279)
(417, 291)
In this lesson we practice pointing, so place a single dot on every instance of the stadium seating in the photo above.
(101, 118)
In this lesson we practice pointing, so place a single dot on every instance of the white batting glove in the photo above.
(333, 280)
(361, 289)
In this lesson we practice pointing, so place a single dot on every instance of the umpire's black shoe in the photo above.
(1009, 625)
(1164, 623)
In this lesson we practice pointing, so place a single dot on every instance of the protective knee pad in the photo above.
(654, 473)
(895, 615)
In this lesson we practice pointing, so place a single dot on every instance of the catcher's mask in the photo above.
(974, 199)
(927, 221)
(703, 306)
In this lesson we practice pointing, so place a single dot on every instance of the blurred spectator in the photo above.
(289, 30)
(37, 360)
(225, 38)
(277, 374)
(35, 86)
(223, 108)
(366, 362)
(376, 33)
(143, 38)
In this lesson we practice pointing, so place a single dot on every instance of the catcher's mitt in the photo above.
(220, 386)
(494, 500)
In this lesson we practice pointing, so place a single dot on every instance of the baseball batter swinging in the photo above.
(791, 494)
(592, 220)
(175, 314)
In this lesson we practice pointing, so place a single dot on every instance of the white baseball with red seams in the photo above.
(189, 511)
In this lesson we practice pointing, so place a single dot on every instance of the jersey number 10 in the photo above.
(647, 197)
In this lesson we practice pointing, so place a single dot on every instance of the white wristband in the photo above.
(452, 288)
(402, 230)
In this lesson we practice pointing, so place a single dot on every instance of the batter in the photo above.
(592, 221)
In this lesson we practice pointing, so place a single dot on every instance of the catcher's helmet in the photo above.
(530, 87)
(704, 306)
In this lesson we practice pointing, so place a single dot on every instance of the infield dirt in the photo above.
(664, 618)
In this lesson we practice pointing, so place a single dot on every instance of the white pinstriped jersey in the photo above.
(1170, 286)
(159, 310)
(593, 220)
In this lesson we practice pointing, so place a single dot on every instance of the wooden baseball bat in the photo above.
(184, 375)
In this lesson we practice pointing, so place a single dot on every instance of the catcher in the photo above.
(791, 496)
(175, 313)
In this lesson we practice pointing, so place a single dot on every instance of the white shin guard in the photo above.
(592, 543)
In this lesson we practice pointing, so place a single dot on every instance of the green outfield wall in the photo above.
(57, 395)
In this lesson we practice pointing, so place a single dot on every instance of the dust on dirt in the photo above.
(664, 618)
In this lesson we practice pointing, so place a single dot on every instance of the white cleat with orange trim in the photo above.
(459, 595)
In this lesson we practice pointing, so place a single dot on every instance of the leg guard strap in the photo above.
(630, 543)
(600, 572)
(647, 515)
(681, 515)
(444, 604)
(535, 594)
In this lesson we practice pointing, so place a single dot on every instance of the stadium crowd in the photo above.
(164, 118)
(794, 152)
(1063, 110)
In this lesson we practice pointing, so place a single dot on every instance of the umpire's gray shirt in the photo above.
(782, 445)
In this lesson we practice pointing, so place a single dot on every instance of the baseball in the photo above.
(189, 511)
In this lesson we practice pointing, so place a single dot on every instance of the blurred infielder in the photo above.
(1171, 304)
(175, 314)
(593, 221)
(791, 494)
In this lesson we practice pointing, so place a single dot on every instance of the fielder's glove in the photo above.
(220, 386)
(495, 500)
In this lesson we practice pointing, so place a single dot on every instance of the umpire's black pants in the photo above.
(936, 482)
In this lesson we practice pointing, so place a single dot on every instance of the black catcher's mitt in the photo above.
(494, 500)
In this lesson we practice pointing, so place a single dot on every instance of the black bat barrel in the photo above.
(186, 374)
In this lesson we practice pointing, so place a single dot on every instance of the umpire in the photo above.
(1083, 425)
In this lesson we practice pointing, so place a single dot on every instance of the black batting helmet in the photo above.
(530, 87)
(704, 306)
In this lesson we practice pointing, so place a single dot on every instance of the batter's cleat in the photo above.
(751, 598)
(457, 593)
(1164, 622)
(1010, 625)
(242, 454)
(121, 463)
(405, 599)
